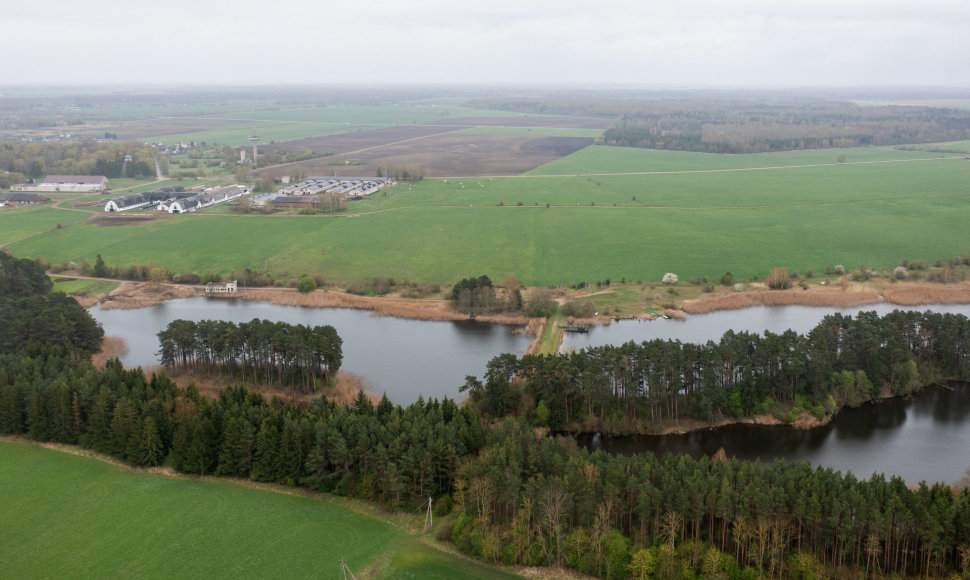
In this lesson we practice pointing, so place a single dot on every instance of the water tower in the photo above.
(253, 139)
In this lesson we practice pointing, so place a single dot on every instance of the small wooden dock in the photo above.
(575, 327)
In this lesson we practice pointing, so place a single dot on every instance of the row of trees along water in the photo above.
(259, 351)
(639, 386)
(519, 495)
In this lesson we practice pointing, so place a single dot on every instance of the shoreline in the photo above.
(130, 295)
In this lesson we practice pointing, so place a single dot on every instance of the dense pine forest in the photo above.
(512, 492)
(260, 351)
(638, 387)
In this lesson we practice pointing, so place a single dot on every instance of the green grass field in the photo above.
(65, 516)
(16, 223)
(800, 210)
(89, 287)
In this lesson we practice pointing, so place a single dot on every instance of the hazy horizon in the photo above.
(698, 44)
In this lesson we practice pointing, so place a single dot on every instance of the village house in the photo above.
(217, 288)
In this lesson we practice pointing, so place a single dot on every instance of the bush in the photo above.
(306, 284)
(778, 279)
(839, 269)
(900, 273)
(540, 303)
(670, 278)
(809, 273)
(727, 278)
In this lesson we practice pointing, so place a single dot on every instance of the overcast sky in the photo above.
(681, 43)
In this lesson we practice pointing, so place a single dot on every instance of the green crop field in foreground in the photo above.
(65, 516)
(788, 209)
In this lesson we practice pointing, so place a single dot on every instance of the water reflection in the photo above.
(405, 358)
(920, 438)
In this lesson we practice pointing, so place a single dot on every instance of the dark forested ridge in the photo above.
(520, 496)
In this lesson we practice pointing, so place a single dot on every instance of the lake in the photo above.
(924, 437)
(404, 358)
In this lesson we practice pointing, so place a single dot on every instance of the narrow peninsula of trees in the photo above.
(259, 351)
(637, 387)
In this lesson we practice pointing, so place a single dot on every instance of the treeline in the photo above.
(744, 127)
(392, 455)
(736, 125)
(293, 356)
(842, 361)
(36, 160)
(539, 501)
(30, 314)
(399, 172)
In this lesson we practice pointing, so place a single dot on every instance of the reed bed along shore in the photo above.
(830, 297)
(837, 296)
(139, 294)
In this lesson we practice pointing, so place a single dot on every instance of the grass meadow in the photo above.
(67, 516)
(19, 222)
(800, 210)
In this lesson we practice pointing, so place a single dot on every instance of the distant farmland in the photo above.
(809, 212)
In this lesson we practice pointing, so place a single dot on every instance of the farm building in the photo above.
(349, 186)
(18, 198)
(264, 198)
(133, 200)
(205, 199)
(66, 184)
(301, 201)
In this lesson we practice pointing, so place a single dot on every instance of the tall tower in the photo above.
(253, 139)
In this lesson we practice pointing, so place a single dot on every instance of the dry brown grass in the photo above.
(828, 296)
(391, 305)
(84, 299)
(837, 296)
(535, 328)
(916, 293)
(139, 294)
(111, 347)
(345, 388)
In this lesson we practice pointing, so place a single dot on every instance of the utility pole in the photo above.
(428, 519)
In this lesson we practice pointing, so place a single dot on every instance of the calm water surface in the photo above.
(700, 328)
(923, 438)
(404, 358)
(926, 437)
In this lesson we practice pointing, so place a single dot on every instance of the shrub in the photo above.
(670, 278)
(306, 284)
(778, 279)
(839, 269)
(727, 278)
(900, 273)
(809, 273)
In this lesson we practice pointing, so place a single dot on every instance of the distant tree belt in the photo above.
(747, 126)
(842, 361)
(78, 158)
(259, 351)
(31, 314)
